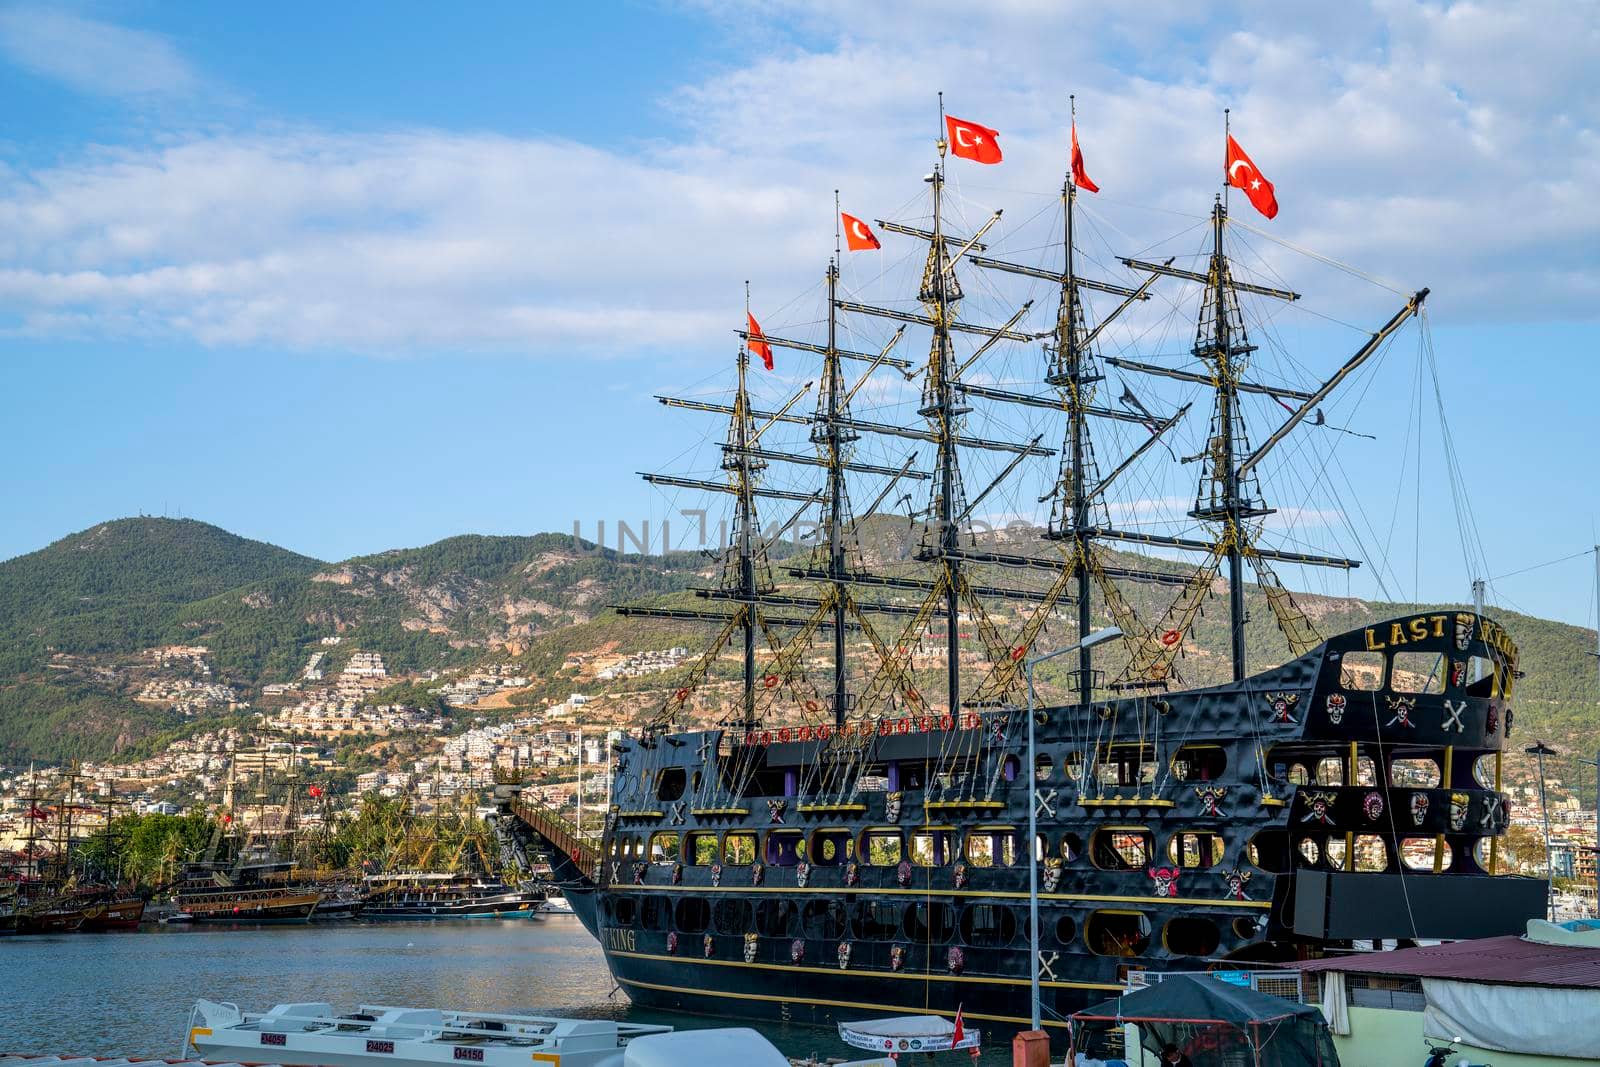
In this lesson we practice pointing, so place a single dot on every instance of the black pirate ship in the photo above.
(859, 845)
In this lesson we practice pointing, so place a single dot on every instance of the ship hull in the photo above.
(289, 908)
(114, 915)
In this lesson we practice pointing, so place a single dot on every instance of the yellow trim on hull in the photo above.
(977, 979)
(1085, 897)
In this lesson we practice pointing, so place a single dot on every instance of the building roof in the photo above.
(1508, 960)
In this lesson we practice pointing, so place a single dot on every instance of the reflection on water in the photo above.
(130, 993)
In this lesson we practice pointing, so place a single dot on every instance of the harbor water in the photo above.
(130, 993)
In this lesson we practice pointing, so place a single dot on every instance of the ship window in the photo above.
(1371, 853)
(1333, 851)
(823, 920)
(988, 925)
(1190, 935)
(1196, 848)
(1330, 770)
(882, 848)
(1121, 848)
(691, 915)
(1479, 678)
(1268, 851)
(1071, 846)
(1066, 930)
(739, 849)
(1417, 672)
(655, 912)
(931, 848)
(930, 922)
(1361, 672)
(1199, 763)
(1042, 767)
(1414, 773)
(1310, 851)
(700, 849)
(664, 848)
(625, 911)
(992, 847)
(1483, 771)
(1246, 927)
(1124, 763)
(877, 920)
(1010, 767)
(1417, 854)
(785, 848)
(775, 918)
(731, 915)
(671, 782)
(1117, 933)
(830, 848)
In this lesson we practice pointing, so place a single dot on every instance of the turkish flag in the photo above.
(960, 1033)
(971, 141)
(1242, 174)
(1080, 177)
(858, 237)
(758, 341)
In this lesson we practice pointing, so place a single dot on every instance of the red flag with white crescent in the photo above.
(758, 341)
(1080, 177)
(858, 236)
(960, 1033)
(1242, 174)
(971, 141)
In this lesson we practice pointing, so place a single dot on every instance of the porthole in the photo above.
(1310, 852)
(1042, 767)
(1066, 930)
(1115, 932)
(1191, 935)
(691, 915)
(988, 925)
(624, 911)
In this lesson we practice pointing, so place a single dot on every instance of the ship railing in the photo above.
(559, 832)
(1285, 984)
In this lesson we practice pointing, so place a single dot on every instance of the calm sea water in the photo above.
(130, 993)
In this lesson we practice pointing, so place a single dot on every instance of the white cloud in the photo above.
(1393, 145)
(91, 56)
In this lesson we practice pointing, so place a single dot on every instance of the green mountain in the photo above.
(79, 617)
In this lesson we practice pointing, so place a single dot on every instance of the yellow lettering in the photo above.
(1418, 628)
(1373, 644)
(1397, 636)
(1438, 624)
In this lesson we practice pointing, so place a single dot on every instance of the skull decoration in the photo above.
(961, 874)
(1335, 707)
(677, 874)
(891, 806)
(716, 874)
(639, 870)
(1463, 631)
(672, 942)
(1165, 879)
(1458, 672)
(1372, 806)
(1282, 705)
(1459, 802)
(802, 872)
(955, 960)
(775, 810)
(750, 947)
(758, 873)
(1053, 869)
(709, 946)
(1237, 880)
(1211, 799)
(797, 950)
(852, 873)
(897, 958)
(1419, 808)
(1402, 708)
(844, 955)
(1491, 721)
(1319, 807)
(902, 873)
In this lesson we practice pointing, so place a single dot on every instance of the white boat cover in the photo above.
(732, 1047)
(1540, 1020)
(903, 1026)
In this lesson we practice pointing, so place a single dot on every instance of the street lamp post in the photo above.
(1089, 641)
(1540, 750)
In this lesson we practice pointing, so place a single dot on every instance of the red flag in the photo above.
(971, 141)
(858, 237)
(1242, 174)
(1080, 177)
(960, 1033)
(758, 341)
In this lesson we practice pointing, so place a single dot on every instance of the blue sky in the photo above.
(354, 277)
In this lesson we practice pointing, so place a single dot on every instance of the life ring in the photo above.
(1171, 637)
(904, 726)
(770, 681)
(812, 706)
(1017, 653)
(682, 695)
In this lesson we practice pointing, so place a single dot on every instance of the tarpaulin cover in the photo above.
(1508, 1018)
(1208, 1019)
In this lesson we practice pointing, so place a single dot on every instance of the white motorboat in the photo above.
(313, 1035)
(557, 906)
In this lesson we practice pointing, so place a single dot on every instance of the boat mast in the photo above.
(836, 440)
(745, 517)
(1075, 381)
(939, 407)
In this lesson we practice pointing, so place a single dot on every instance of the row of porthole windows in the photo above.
(1111, 848)
(1106, 932)
(1127, 763)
